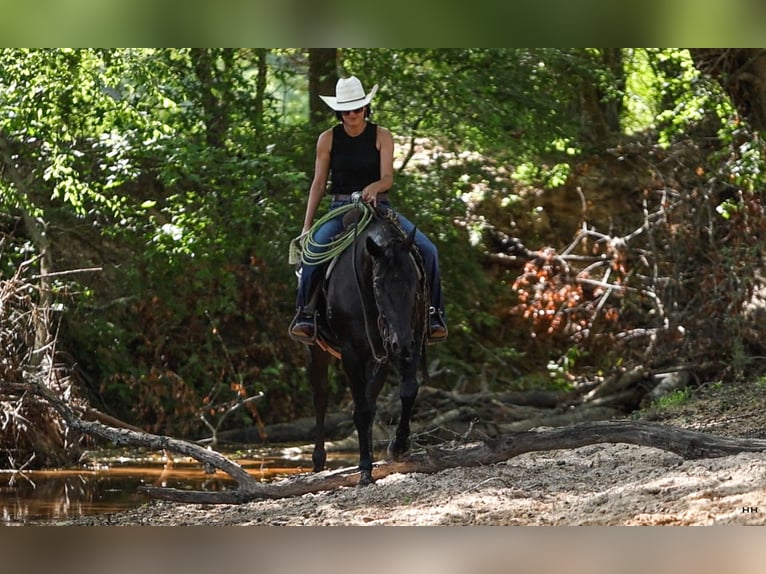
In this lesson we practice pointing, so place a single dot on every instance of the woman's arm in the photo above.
(385, 142)
(321, 173)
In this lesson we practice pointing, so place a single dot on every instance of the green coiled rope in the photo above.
(335, 246)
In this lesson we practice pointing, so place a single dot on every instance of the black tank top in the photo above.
(354, 161)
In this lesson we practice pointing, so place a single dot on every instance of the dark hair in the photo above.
(367, 113)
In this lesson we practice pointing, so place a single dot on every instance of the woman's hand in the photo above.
(370, 195)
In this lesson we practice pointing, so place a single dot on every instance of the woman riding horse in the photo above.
(359, 156)
(374, 306)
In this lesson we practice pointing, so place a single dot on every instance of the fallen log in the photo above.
(337, 425)
(486, 451)
(474, 449)
(129, 436)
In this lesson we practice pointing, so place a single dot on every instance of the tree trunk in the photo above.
(612, 60)
(323, 75)
(260, 96)
(742, 74)
(214, 107)
(687, 444)
(37, 230)
(601, 114)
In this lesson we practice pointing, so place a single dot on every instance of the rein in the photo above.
(379, 359)
(382, 325)
(349, 238)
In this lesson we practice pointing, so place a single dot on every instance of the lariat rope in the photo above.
(337, 245)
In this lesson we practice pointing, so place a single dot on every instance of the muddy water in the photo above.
(110, 483)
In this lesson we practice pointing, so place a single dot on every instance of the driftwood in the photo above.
(485, 451)
(474, 449)
(337, 426)
(443, 415)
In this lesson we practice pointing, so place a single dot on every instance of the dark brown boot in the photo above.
(303, 327)
(437, 326)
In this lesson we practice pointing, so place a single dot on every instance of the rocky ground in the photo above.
(604, 484)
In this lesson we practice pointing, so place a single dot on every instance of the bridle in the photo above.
(382, 323)
(417, 321)
(380, 358)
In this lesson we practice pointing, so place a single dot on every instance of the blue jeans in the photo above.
(332, 227)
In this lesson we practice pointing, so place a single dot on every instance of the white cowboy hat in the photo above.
(349, 95)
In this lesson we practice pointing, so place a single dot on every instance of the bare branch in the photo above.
(685, 443)
(69, 272)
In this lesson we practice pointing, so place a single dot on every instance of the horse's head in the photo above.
(397, 284)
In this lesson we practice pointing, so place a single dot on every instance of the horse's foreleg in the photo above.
(317, 367)
(408, 391)
(363, 419)
(366, 382)
(400, 445)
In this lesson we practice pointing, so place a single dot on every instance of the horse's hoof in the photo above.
(318, 458)
(398, 452)
(365, 479)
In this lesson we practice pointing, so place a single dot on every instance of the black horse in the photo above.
(373, 312)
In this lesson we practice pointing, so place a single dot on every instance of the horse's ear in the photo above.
(410, 241)
(373, 248)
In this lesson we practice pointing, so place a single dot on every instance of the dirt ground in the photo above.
(604, 484)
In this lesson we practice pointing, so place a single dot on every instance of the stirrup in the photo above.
(437, 327)
(303, 327)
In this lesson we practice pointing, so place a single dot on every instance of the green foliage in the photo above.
(510, 102)
(674, 399)
(59, 114)
(562, 370)
(530, 174)
(134, 158)
(184, 174)
(679, 95)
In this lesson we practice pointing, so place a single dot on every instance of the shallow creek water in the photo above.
(107, 483)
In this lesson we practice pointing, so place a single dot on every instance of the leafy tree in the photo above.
(183, 173)
(323, 63)
(159, 152)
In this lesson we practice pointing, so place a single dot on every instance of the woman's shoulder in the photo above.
(383, 132)
(327, 133)
(325, 138)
